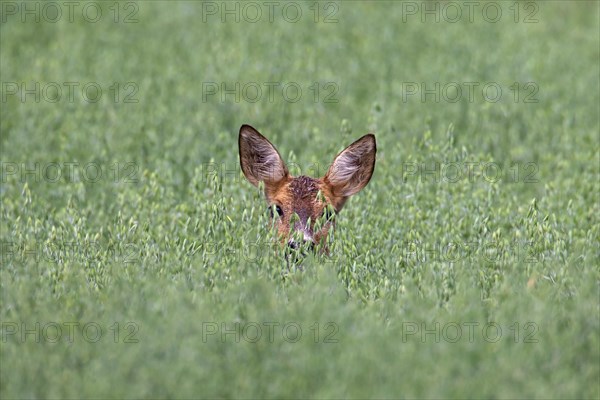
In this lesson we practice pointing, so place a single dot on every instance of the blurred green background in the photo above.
(125, 216)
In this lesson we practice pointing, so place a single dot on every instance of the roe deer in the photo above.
(310, 199)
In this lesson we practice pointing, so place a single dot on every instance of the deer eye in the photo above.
(278, 210)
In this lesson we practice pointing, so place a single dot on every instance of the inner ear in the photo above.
(259, 159)
(352, 169)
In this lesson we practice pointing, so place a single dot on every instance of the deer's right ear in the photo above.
(259, 159)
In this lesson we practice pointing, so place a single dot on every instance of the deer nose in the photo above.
(306, 243)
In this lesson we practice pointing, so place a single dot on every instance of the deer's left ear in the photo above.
(352, 168)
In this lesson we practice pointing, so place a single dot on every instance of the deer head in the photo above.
(303, 208)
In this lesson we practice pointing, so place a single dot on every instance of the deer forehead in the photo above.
(303, 187)
(301, 195)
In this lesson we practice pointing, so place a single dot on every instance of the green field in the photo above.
(137, 260)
